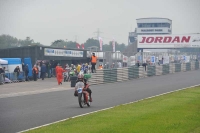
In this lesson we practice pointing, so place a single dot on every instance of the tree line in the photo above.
(7, 41)
(89, 42)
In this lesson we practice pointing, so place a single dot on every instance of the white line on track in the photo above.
(105, 109)
(32, 92)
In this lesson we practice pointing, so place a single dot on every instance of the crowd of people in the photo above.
(75, 70)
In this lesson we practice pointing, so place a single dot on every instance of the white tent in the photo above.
(3, 62)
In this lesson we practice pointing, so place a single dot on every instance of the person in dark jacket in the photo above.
(26, 71)
(23, 67)
(2, 73)
(138, 63)
(1, 70)
(35, 72)
(43, 71)
(17, 71)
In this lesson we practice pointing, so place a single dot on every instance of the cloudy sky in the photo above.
(48, 20)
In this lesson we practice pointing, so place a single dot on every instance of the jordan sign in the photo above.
(168, 41)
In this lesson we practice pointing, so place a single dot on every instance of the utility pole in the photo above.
(98, 33)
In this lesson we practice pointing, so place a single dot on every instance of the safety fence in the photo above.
(118, 59)
(133, 72)
(12, 77)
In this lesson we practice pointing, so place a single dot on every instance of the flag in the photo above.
(113, 44)
(101, 43)
(78, 46)
(82, 45)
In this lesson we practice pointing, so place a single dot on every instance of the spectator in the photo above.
(144, 65)
(43, 71)
(119, 64)
(4, 68)
(39, 71)
(93, 62)
(66, 73)
(100, 66)
(138, 63)
(73, 66)
(26, 70)
(89, 68)
(50, 70)
(17, 71)
(113, 65)
(35, 72)
(86, 68)
(23, 67)
(2, 71)
(78, 68)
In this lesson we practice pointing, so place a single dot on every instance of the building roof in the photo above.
(154, 18)
(45, 47)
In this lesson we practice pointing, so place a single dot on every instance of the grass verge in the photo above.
(177, 112)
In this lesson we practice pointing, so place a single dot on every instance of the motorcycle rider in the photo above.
(86, 86)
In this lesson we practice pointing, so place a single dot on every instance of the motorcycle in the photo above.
(83, 98)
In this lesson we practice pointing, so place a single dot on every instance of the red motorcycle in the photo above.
(83, 97)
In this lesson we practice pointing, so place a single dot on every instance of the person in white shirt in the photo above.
(119, 64)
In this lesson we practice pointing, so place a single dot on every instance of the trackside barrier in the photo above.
(197, 65)
(192, 65)
(16, 77)
(159, 70)
(133, 72)
(165, 69)
(183, 67)
(172, 68)
(177, 67)
(151, 71)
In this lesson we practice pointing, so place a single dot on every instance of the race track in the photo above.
(19, 113)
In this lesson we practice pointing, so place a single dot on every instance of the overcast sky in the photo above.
(48, 20)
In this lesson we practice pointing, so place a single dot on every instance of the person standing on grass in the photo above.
(93, 62)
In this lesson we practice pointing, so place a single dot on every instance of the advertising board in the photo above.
(61, 52)
(168, 41)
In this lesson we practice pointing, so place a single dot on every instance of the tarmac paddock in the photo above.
(48, 84)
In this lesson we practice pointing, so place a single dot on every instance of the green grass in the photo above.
(177, 112)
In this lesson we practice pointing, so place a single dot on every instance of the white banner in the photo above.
(100, 43)
(61, 52)
(168, 41)
(113, 44)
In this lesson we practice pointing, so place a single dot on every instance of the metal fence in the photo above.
(126, 59)
(12, 77)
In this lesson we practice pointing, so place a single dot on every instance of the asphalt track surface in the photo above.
(19, 113)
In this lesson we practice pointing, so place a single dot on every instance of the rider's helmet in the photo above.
(80, 77)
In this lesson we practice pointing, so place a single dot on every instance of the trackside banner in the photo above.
(61, 52)
(168, 41)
